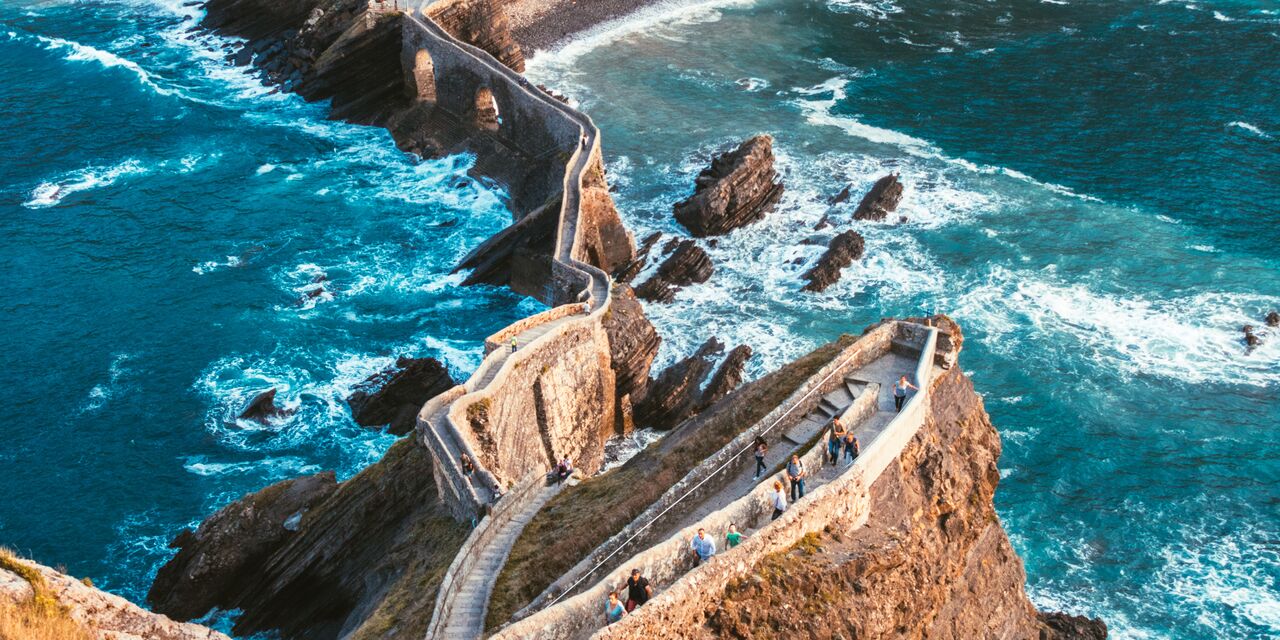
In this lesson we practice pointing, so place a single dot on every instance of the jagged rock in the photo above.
(223, 554)
(843, 250)
(736, 190)
(881, 200)
(100, 614)
(687, 264)
(1273, 319)
(727, 378)
(482, 23)
(675, 394)
(629, 271)
(842, 196)
(1062, 626)
(262, 408)
(395, 395)
(633, 343)
(1251, 339)
(678, 392)
(363, 557)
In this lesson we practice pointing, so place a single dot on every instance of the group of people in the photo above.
(639, 590)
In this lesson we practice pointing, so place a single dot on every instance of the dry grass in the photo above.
(582, 517)
(41, 618)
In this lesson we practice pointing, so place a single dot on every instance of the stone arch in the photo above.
(424, 77)
(487, 116)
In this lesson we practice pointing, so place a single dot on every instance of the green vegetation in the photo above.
(582, 517)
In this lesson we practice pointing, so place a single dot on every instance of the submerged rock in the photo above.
(1273, 319)
(262, 408)
(843, 250)
(736, 190)
(1251, 339)
(394, 395)
(881, 200)
(687, 264)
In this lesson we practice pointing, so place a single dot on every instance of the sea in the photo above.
(1092, 192)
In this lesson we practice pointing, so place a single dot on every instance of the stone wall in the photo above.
(682, 592)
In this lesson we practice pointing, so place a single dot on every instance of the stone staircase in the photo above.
(465, 619)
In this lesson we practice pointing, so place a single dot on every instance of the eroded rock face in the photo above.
(393, 397)
(881, 200)
(633, 344)
(932, 562)
(106, 615)
(678, 392)
(220, 556)
(364, 556)
(686, 264)
(843, 250)
(739, 188)
(262, 408)
(482, 23)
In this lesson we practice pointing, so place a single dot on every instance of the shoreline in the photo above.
(542, 26)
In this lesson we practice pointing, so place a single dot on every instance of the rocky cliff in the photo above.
(37, 602)
(318, 559)
(932, 561)
(843, 250)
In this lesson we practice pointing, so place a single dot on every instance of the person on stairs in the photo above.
(851, 447)
(703, 547)
(900, 393)
(638, 590)
(834, 440)
(778, 499)
(796, 474)
(613, 610)
(761, 448)
(733, 538)
(514, 344)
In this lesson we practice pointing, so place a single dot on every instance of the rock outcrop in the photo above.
(62, 607)
(737, 189)
(932, 562)
(677, 393)
(1273, 319)
(686, 264)
(313, 559)
(881, 200)
(1251, 339)
(843, 250)
(262, 408)
(393, 397)
(633, 344)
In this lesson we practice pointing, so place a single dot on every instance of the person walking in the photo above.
(733, 537)
(514, 344)
(703, 547)
(761, 448)
(638, 590)
(900, 393)
(834, 440)
(778, 499)
(851, 447)
(796, 474)
(613, 610)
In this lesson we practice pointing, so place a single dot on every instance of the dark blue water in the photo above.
(1093, 191)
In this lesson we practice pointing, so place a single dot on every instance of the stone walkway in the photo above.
(466, 618)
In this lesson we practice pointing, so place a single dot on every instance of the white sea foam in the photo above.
(53, 191)
(77, 52)
(1195, 339)
(273, 467)
(648, 19)
(876, 9)
(103, 392)
(1250, 128)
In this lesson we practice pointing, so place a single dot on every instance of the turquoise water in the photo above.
(1092, 191)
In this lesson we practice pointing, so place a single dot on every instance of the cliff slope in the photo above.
(932, 561)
